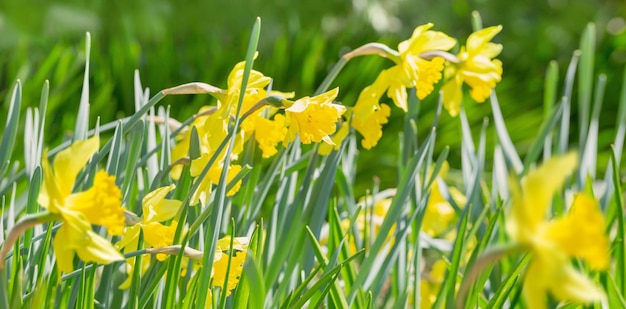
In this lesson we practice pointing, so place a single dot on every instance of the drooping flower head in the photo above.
(413, 71)
(476, 67)
(578, 234)
(313, 118)
(369, 115)
(156, 209)
(99, 205)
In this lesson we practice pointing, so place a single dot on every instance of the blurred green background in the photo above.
(173, 42)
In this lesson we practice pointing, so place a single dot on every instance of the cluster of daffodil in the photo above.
(313, 119)
(272, 119)
(79, 206)
(420, 63)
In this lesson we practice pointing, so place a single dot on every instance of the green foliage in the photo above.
(310, 239)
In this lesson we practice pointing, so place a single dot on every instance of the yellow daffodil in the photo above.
(270, 133)
(578, 234)
(337, 139)
(100, 205)
(411, 69)
(212, 178)
(476, 67)
(430, 283)
(181, 149)
(369, 114)
(156, 209)
(414, 71)
(255, 89)
(220, 262)
(313, 119)
(439, 214)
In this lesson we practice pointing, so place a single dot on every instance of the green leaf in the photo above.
(585, 80)
(10, 132)
(82, 118)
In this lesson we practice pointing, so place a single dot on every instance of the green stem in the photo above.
(18, 229)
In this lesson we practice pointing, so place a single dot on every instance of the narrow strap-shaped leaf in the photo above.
(566, 100)
(508, 149)
(10, 132)
(585, 81)
(82, 118)
(589, 155)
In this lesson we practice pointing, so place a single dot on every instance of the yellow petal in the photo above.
(540, 186)
(70, 161)
(63, 250)
(313, 119)
(479, 38)
(269, 133)
(452, 95)
(76, 236)
(158, 235)
(536, 282)
(220, 267)
(158, 209)
(215, 174)
(101, 204)
(581, 233)
(337, 139)
(129, 239)
(49, 191)
(575, 287)
(98, 250)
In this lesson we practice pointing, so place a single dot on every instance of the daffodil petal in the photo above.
(581, 232)
(156, 208)
(63, 250)
(98, 250)
(70, 161)
(540, 186)
(576, 287)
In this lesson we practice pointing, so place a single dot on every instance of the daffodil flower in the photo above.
(430, 283)
(578, 234)
(369, 115)
(270, 133)
(337, 139)
(439, 214)
(313, 118)
(476, 67)
(156, 209)
(99, 205)
(220, 262)
(212, 178)
(413, 71)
